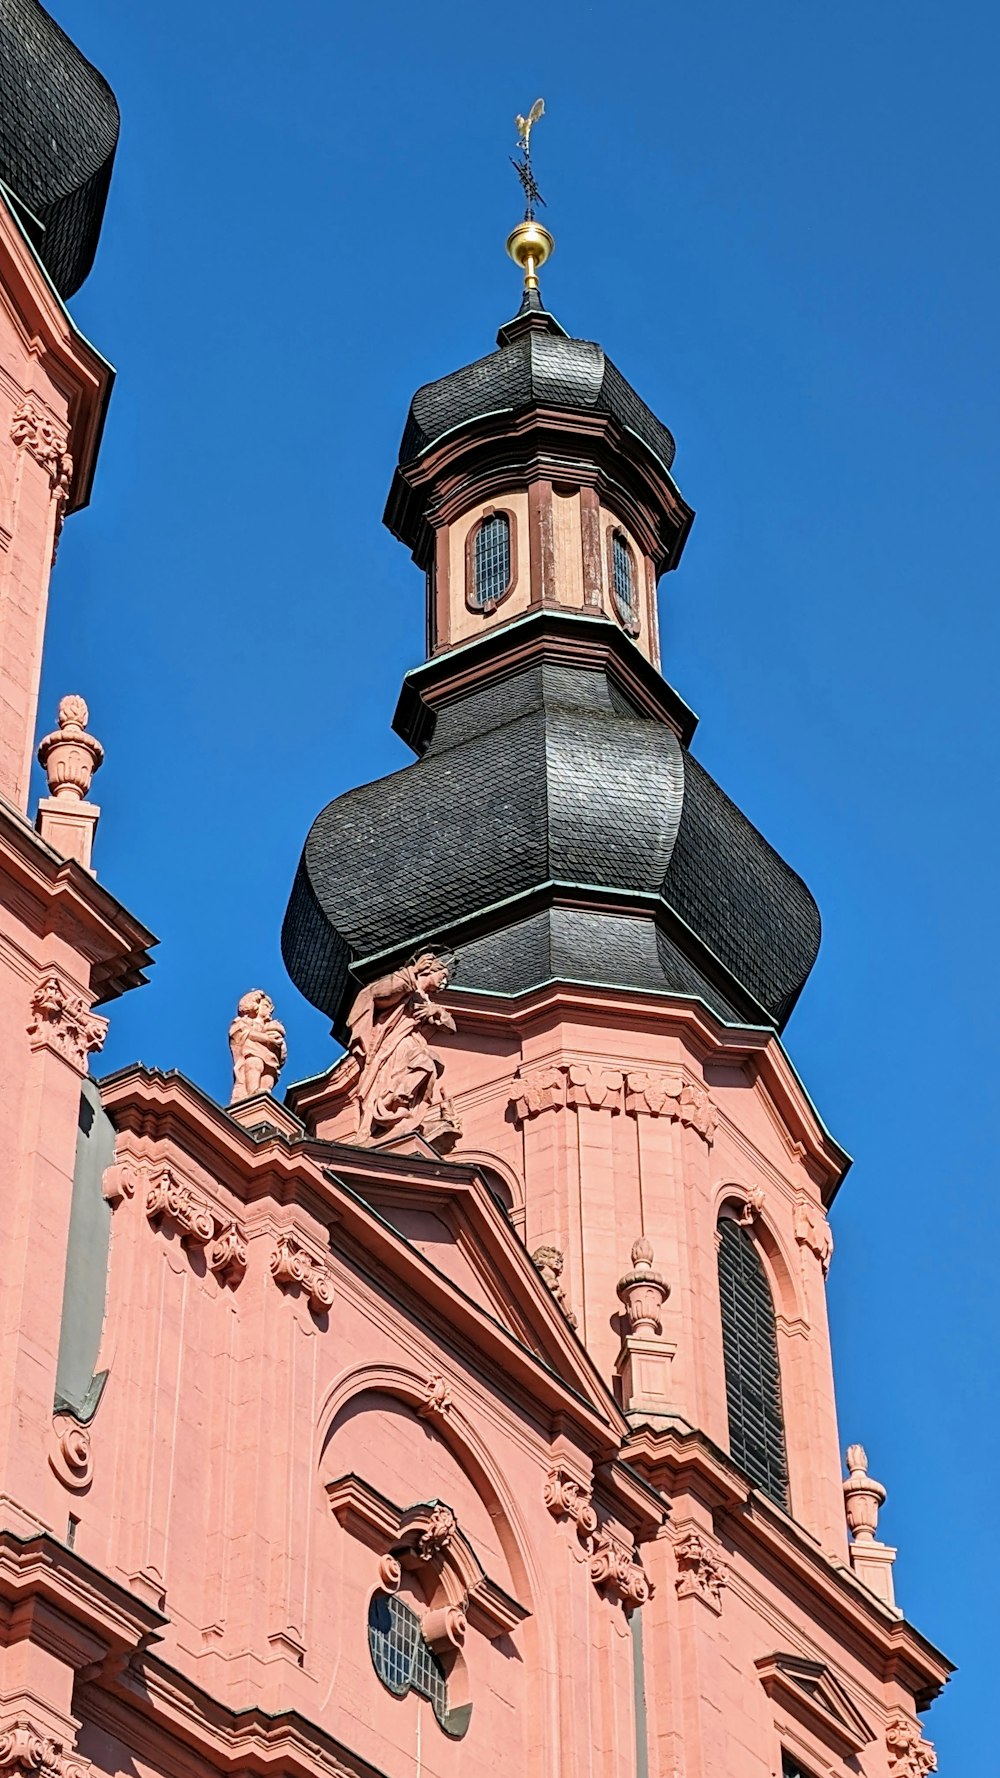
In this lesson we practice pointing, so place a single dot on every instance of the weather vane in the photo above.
(522, 167)
(529, 245)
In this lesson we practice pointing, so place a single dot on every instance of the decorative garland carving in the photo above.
(292, 1266)
(702, 1573)
(910, 1755)
(62, 1022)
(543, 1089)
(566, 1498)
(813, 1232)
(549, 1261)
(616, 1572)
(598, 1088)
(660, 1094)
(24, 1750)
(437, 1397)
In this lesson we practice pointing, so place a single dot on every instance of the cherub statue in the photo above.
(258, 1044)
(399, 1089)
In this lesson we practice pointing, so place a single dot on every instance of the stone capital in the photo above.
(61, 1021)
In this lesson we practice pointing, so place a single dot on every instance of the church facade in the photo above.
(468, 1409)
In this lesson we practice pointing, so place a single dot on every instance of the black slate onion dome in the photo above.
(58, 134)
(555, 826)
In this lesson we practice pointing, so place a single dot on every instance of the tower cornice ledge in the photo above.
(67, 1605)
(61, 892)
(566, 638)
(682, 1461)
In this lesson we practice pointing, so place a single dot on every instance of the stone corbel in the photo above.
(61, 1021)
(27, 1753)
(169, 1203)
(910, 1756)
(701, 1572)
(566, 1497)
(616, 1571)
(293, 1268)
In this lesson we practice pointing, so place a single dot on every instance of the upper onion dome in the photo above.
(58, 134)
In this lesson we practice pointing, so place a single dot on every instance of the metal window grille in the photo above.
(400, 1655)
(753, 1379)
(492, 560)
(624, 579)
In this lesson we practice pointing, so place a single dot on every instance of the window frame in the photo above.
(630, 621)
(777, 1487)
(491, 605)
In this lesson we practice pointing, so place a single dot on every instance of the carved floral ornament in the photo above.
(38, 433)
(61, 1021)
(552, 1087)
(910, 1756)
(24, 1749)
(169, 1203)
(701, 1572)
(812, 1231)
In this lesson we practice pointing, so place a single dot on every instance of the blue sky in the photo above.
(780, 220)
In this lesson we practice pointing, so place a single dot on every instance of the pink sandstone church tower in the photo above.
(469, 1411)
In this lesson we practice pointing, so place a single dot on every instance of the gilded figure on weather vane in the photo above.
(522, 167)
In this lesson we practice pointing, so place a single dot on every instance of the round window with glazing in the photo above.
(491, 562)
(404, 1661)
(624, 581)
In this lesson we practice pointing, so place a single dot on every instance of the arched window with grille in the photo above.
(624, 588)
(490, 561)
(753, 1378)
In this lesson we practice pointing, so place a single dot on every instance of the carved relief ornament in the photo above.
(45, 440)
(70, 1455)
(812, 1231)
(61, 1021)
(170, 1203)
(567, 1498)
(910, 1756)
(616, 1571)
(659, 1094)
(702, 1574)
(24, 1750)
(437, 1398)
(550, 1262)
(292, 1266)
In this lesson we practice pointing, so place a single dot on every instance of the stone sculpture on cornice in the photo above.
(399, 1088)
(257, 1041)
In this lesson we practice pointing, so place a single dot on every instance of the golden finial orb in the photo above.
(529, 246)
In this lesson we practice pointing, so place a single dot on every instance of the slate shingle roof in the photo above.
(544, 778)
(535, 364)
(58, 134)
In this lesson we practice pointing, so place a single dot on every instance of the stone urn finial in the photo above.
(69, 755)
(862, 1496)
(643, 1291)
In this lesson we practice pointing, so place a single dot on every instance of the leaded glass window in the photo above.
(753, 1379)
(491, 566)
(403, 1659)
(623, 582)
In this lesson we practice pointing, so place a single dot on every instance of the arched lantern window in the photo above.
(624, 590)
(753, 1378)
(490, 564)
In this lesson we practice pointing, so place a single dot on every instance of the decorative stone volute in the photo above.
(862, 1496)
(70, 756)
(643, 1291)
